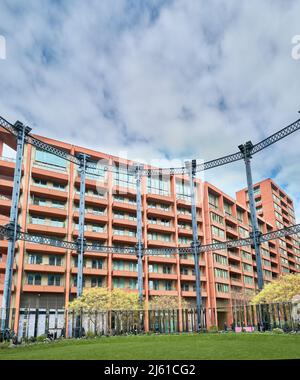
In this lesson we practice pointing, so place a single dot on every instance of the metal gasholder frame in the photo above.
(191, 167)
(246, 150)
(139, 231)
(13, 228)
(81, 241)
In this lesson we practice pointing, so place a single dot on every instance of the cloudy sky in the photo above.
(158, 80)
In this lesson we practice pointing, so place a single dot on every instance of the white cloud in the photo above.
(176, 79)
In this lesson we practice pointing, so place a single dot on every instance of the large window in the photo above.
(123, 178)
(183, 190)
(213, 200)
(49, 159)
(34, 279)
(158, 186)
(54, 280)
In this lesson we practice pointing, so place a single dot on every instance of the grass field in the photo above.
(206, 346)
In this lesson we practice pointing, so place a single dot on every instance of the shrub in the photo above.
(277, 331)
(4, 345)
(90, 335)
(41, 338)
(213, 329)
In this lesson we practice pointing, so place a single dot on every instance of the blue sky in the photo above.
(158, 80)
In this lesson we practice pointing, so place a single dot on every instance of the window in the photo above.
(220, 259)
(34, 279)
(49, 158)
(54, 280)
(247, 268)
(213, 200)
(222, 288)
(183, 190)
(221, 273)
(154, 285)
(216, 218)
(246, 255)
(123, 178)
(243, 232)
(240, 215)
(35, 259)
(184, 240)
(153, 268)
(185, 287)
(96, 282)
(119, 283)
(168, 285)
(55, 260)
(167, 269)
(184, 271)
(133, 284)
(40, 182)
(97, 264)
(158, 186)
(218, 232)
(248, 280)
(118, 265)
(228, 208)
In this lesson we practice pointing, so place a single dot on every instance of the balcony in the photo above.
(6, 184)
(160, 228)
(47, 230)
(160, 243)
(7, 166)
(235, 269)
(45, 171)
(88, 234)
(125, 273)
(192, 293)
(43, 289)
(44, 268)
(3, 266)
(163, 293)
(124, 239)
(91, 217)
(44, 191)
(2, 286)
(185, 232)
(40, 248)
(124, 206)
(96, 200)
(160, 213)
(47, 210)
(160, 198)
(124, 222)
(160, 259)
(162, 276)
(91, 271)
(184, 218)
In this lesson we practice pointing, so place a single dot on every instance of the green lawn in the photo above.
(203, 346)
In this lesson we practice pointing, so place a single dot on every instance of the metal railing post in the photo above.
(246, 150)
(191, 166)
(13, 224)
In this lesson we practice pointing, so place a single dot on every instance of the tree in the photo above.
(117, 304)
(167, 303)
(281, 290)
(103, 299)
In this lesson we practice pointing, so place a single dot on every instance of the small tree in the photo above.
(281, 290)
(95, 300)
(103, 299)
(167, 303)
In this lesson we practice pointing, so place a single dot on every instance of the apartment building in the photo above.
(45, 277)
(277, 208)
